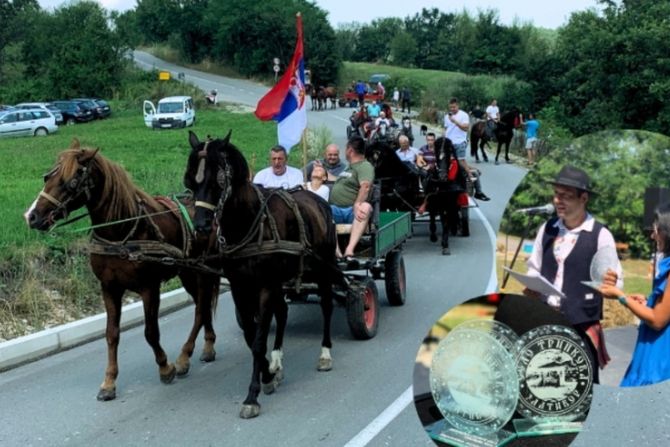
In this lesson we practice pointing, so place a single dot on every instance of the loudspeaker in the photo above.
(652, 198)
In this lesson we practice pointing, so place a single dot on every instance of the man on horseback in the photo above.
(349, 196)
(279, 174)
(492, 118)
(456, 125)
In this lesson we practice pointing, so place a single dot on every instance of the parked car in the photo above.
(100, 107)
(37, 122)
(173, 111)
(44, 106)
(74, 112)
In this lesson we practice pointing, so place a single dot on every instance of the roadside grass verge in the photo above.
(46, 279)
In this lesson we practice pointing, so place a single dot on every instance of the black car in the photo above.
(74, 112)
(100, 107)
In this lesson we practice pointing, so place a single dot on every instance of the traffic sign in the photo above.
(276, 68)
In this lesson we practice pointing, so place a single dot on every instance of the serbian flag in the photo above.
(285, 102)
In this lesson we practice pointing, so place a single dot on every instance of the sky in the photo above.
(541, 13)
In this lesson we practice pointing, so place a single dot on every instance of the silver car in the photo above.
(37, 122)
(45, 106)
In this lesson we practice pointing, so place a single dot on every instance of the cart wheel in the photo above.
(465, 222)
(396, 287)
(363, 310)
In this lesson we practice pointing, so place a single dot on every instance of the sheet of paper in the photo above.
(536, 283)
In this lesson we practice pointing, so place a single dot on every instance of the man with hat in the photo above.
(562, 253)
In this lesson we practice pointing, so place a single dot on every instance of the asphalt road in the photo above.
(364, 400)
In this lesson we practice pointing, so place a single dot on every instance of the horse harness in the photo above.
(254, 242)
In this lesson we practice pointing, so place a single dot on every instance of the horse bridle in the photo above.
(81, 183)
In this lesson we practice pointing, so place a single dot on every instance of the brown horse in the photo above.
(268, 238)
(324, 94)
(137, 228)
(504, 132)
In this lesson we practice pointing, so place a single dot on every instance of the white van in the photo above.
(173, 111)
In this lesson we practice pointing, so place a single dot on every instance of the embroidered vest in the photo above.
(582, 303)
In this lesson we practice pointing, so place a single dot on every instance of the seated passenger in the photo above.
(279, 174)
(349, 196)
(317, 182)
(406, 153)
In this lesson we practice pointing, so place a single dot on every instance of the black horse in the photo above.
(446, 195)
(267, 237)
(504, 131)
(401, 190)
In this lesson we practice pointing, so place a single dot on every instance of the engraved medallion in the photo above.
(555, 375)
(474, 381)
(498, 330)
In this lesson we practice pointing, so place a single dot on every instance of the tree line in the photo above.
(605, 68)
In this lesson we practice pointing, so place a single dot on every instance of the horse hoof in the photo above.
(446, 251)
(269, 388)
(105, 395)
(250, 411)
(182, 370)
(486, 160)
(324, 364)
(169, 377)
(433, 237)
(208, 356)
(497, 162)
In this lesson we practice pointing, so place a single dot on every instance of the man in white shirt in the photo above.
(492, 117)
(562, 253)
(405, 152)
(279, 174)
(456, 125)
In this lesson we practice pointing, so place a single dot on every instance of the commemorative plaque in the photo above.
(605, 258)
(474, 382)
(500, 331)
(555, 381)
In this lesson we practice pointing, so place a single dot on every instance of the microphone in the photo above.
(536, 210)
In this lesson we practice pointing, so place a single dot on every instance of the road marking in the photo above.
(339, 118)
(492, 286)
(385, 417)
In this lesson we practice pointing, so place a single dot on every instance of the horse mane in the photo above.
(119, 194)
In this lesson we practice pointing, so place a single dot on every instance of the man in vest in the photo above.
(562, 253)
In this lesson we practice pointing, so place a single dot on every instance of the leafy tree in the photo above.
(403, 50)
(157, 19)
(615, 67)
(87, 58)
(249, 34)
(426, 27)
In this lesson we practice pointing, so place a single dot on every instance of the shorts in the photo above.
(342, 215)
(531, 142)
(460, 150)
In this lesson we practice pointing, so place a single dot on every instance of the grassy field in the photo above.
(45, 279)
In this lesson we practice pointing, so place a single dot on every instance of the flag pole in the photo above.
(303, 138)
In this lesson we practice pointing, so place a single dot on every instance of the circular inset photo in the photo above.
(587, 233)
(503, 369)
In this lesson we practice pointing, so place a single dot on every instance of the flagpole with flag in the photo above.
(285, 102)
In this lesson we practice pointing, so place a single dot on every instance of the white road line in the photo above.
(377, 425)
(493, 279)
(392, 411)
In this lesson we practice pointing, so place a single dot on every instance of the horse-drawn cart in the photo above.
(378, 256)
